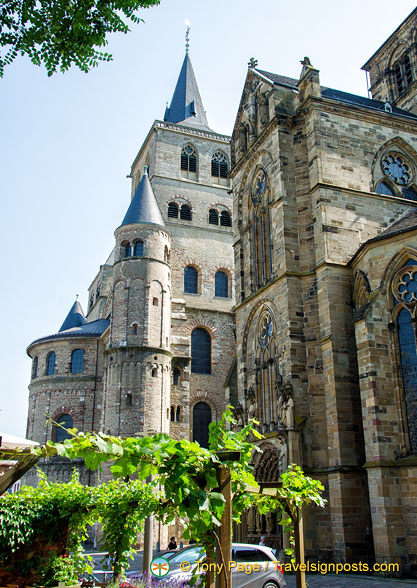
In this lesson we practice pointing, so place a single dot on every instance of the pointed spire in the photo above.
(75, 317)
(186, 104)
(143, 206)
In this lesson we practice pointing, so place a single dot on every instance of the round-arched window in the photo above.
(201, 422)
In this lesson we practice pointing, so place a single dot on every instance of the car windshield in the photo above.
(192, 555)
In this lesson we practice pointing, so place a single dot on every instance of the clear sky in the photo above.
(67, 142)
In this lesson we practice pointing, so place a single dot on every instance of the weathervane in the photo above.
(187, 38)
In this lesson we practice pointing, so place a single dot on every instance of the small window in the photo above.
(59, 433)
(154, 372)
(189, 159)
(172, 210)
(77, 361)
(98, 290)
(219, 165)
(138, 251)
(172, 414)
(178, 414)
(176, 376)
(185, 213)
(225, 219)
(35, 368)
(50, 364)
(135, 329)
(155, 302)
(92, 301)
(398, 78)
(408, 74)
(221, 285)
(200, 351)
(190, 280)
(384, 188)
(127, 250)
(201, 422)
(213, 217)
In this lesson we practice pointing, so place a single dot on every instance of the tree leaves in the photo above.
(62, 33)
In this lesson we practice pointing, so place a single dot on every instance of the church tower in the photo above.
(138, 358)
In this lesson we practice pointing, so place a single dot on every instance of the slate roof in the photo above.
(143, 206)
(75, 317)
(186, 105)
(332, 94)
(93, 329)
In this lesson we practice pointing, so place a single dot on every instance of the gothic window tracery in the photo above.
(188, 161)
(404, 289)
(395, 175)
(260, 230)
(402, 73)
(219, 165)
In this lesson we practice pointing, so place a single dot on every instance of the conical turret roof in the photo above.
(75, 317)
(186, 104)
(143, 206)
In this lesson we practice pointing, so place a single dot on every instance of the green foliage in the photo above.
(60, 33)
(187, 474)
(60, 569)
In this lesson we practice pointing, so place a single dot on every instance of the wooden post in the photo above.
(300, 575)
(210, 582)
(224, 579)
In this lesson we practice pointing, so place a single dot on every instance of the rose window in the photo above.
(265, 329)
(405, 285)
(395, 168)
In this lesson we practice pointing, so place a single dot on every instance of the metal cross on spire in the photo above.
(187, 38)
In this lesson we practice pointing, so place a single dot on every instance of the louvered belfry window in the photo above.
(189, 159)
(213, 217)
(225, 219)
(172, 210)
(185, 212)
(219, 165)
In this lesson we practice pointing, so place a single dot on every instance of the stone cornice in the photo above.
(177, 128)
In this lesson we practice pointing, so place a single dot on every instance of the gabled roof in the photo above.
(186, 104)
(143, 206)
(75, 317)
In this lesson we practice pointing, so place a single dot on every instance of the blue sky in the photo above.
(67, 142)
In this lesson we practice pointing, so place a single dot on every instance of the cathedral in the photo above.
(275, 270)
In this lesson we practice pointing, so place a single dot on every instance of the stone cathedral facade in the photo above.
(310, 329)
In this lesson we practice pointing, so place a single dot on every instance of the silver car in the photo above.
(254, 566)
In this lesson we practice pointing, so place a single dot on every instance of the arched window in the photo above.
(260, 230)
(172, 210)
(384, 188)
(126, 250)
(200, 351)
(135, 329)
(185, 213)
(190, 280)
(176, 376)
(58, 433)
(403, 73)
(155, 302)
(221, 284)
(138, 250)
(50, 364)
(408, 354)
(189, 159)
(213, 217)
(172, 414)
(77, 361)
(35, 368)
(201, 422)
(225, 219)
(154, 372)
(219, 165)
(178, 414)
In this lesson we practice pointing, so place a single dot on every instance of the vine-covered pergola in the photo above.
(207, 488)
